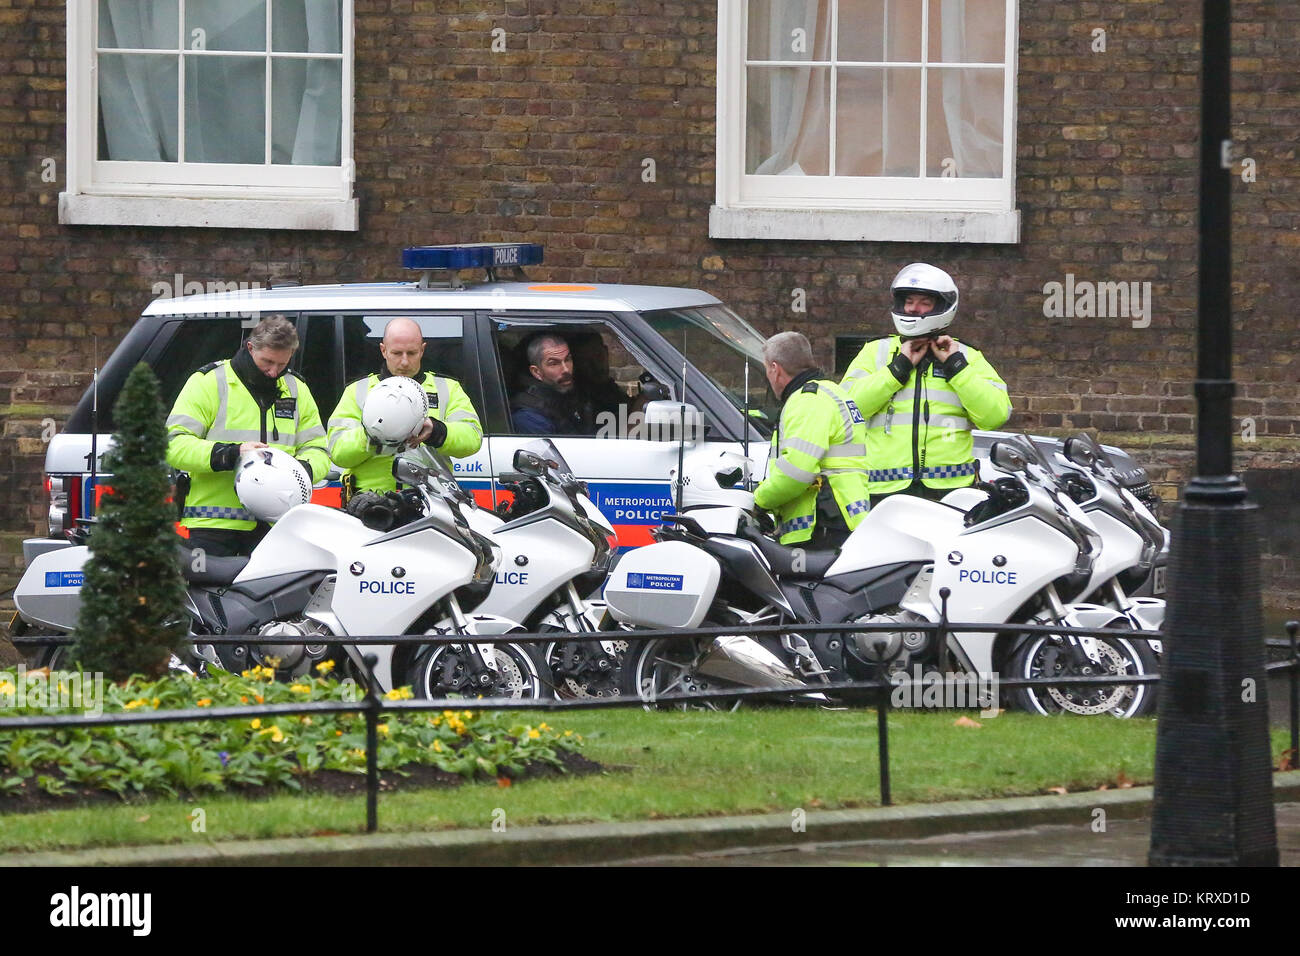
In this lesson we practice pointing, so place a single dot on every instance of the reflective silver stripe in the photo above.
(362, 390)
(344, 423)
(184, 421)
(940, 395)
(234, 434)
(882, 352)
(223, 403)
(856, 373)
(444, 393)
(793, 471)
(844, 471)
(849, 450)
(1001, 385)
(461, 416)
(807, 447)
(305, 436)
(292, 384)
(878, 420)
(846, 417)
(950, 421)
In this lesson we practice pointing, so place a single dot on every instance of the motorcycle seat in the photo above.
(794, 563)
(211, 570)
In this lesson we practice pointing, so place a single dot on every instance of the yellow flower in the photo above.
(435, 721)
(276, 735)
(449, 714)
(6, 687)
(300, 689)
(437, 746)
(324, 667)
(568, 733)
(156, 702)
(357, 753)
(248, 673)
(382, 728)
(338, 733)
(542, 726)
(533, 734)
(256, 723)
(307, 721)
(133, 704)
(469, 715)
(399, 693)
(206, 701)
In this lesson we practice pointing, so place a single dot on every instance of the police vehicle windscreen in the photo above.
(720, 344)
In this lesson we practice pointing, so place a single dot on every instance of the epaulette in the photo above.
(209, 367)
(810, 387)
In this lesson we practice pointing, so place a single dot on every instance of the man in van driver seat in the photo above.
(231, 407)
(452, 426)
(816, 484)
(552, 403)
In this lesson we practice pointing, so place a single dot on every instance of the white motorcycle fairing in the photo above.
(49, 592)
(904, 527)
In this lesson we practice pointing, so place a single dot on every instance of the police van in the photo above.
(680, 356)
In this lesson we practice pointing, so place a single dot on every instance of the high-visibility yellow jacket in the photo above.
(352, 448)
(214, 407)
(921, 428)
(821, 437)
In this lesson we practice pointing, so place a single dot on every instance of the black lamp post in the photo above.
(1214, 786)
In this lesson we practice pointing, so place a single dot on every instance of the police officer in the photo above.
(816, 484)
(452, 426)
(229, 408)
(923, 391)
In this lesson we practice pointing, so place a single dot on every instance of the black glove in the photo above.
(225, 456)
(438, 435)
(956, 363)
(901, 367)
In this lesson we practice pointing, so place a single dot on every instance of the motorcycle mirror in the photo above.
(529, 464)
(1078, 452)
(1007, 457)
(408, 472)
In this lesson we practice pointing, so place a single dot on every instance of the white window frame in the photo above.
(853, 208)
(221, 195)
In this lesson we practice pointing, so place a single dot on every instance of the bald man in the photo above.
(452, 426)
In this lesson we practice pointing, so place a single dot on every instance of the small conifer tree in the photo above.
(132, 617)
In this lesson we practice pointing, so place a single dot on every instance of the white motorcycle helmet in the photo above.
(718, 482)
(926, 279)
(269, 482)
(394, 411)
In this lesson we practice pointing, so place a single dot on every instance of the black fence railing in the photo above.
(372, 706)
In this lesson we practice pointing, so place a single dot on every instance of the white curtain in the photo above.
(972, 110)
(796, 120)
(225, 96)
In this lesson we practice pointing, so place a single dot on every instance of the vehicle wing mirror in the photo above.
(664, 422)
(408, 472)
(1007, 457)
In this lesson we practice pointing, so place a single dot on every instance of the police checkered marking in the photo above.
(237, 514)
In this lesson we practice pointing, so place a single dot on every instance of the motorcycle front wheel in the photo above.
(1049, 655)
(663, 667)
(449, 669)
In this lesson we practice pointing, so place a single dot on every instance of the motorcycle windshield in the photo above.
(545, 449)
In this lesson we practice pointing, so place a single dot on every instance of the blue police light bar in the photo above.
(478, 255)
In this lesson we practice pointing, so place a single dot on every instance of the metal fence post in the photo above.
(371, 704)
(941, 633)
(882, 744)
(1294, 678)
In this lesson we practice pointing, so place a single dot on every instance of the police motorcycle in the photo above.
(320, 572)
(1002, 565)
(556, 547)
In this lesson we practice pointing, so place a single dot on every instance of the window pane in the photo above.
(307, 26)
(306, 112)
(225, 24)
(967, 31)
(225, 109)
(786, 121)
(789, 29)
(877, 131)
(139, 24)
(874, 30)
(964, 133)
(137, 107)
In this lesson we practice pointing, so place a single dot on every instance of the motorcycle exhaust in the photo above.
(741, 660)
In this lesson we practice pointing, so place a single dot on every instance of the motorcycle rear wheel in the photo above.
(1048, 655)
(661, 667)
(438, 671)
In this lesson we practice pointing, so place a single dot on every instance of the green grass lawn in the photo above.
(662, 765)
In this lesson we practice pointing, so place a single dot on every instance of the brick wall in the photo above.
(546, 141)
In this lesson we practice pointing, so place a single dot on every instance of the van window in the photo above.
(318, 362)
(614, 382)
(196, 343)
(444, 347)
